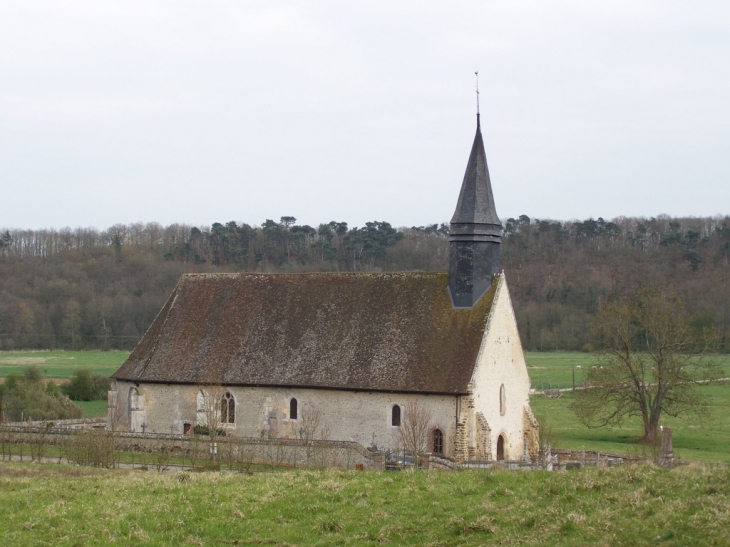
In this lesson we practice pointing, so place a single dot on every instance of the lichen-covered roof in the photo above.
(370, 332)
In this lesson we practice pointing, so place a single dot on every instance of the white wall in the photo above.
(349, 416)
(502, 362)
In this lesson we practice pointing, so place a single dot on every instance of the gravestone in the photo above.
(666, 456)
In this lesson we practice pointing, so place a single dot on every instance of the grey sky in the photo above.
(199, 112)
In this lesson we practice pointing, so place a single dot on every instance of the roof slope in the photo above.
(369, 332)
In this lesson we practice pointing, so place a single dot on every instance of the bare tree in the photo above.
(651, 366)
(310, 423)
(209, 408)
(313, 427)
(414, 429)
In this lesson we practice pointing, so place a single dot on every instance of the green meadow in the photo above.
(61, 364)
(555, 370)
(706, 440)
(630, 505)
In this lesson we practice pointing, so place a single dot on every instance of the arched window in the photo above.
(293, 414)
(133, 399)
(395, 416)
(502, 401)
(437, 441)
(228, 408)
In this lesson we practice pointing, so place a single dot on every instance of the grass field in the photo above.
(61, 364)
(704, 441)
(552, 370)
(93, 409)
(625, 506)
(547, 370)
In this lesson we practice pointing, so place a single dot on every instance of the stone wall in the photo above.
(233, 451)
(500, 382)
(263, 412)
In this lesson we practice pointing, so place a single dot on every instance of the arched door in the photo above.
(500, 448)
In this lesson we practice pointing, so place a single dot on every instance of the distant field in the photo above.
(551, 370)
(547, 370)
(93, 409)
(555, 369)
(704, 441)
(61, 364)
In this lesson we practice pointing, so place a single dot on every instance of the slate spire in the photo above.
(475, 233)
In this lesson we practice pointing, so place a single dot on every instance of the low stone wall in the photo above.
(77, 423)
(552, 460)
(591, 458)
(82, 441)
(236, 452)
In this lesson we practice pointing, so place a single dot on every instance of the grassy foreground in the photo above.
(630, 505)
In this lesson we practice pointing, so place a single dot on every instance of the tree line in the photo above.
(85, 288)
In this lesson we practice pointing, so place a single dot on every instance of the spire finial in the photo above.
(476, 75)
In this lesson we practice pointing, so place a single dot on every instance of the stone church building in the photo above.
(265, 355)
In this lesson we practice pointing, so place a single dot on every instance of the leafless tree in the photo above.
(209, 404)
(651, 366)
(414, 429)
(310, 423)
(312, 427)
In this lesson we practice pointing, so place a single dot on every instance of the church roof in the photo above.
(393, 332)
(476, 202)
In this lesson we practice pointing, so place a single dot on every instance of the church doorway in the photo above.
(500, 448)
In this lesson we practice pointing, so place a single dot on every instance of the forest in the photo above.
(86, 288)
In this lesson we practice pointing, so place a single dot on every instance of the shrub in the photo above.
(85, 386)
(30, 397)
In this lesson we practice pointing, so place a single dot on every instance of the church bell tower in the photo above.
(475, 232)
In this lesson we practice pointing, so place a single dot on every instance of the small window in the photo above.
(293, 409)
(228, 409)
(437, 441)
(395, 417)
(502, 401)
(134, 399)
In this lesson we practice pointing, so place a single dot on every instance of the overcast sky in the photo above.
(197, 112)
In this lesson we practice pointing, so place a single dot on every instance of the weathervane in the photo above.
(476, 75)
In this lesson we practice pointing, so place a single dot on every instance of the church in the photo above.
(274, 355)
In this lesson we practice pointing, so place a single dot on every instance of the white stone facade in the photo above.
(362, 417)
(500, 382)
